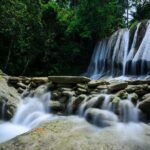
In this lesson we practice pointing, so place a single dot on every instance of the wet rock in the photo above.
(134, 98)
(145, 105)
(55, 94)
(146, 96)
(138, 89)
(82, 86)
(95, 83)
(73, 134)
(81, 91)
(39, 91)
(39, 80)
(65, 89)
(9, 98)
(115, 100)
(2, 73)
(138, 82)
(68, 93)
(14, 80)
(26, 80)
(116, 86)
(63, 99)
(33, 85)
(20, 90)
(63, 85)
(68, 79)
(56, 107)
(95, 101)
(101, 87)
(20, 84)
(100, 118)
(122, 94)
(77, 101)
(140, 92)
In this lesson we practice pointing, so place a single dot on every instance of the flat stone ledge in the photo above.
(69, 79)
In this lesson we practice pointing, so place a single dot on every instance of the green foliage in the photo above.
(53, 36)
(143, 11)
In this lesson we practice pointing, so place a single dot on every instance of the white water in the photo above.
(30, 113)
(113, 58)
(33, 111)
(127, 111)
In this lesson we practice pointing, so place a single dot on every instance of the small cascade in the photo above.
(115, 57)
(105, 108)
(128, 112)
(30, 113)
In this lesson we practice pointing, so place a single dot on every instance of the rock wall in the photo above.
(69, 92)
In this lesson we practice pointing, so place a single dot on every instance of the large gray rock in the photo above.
(68, 79)
(9, 99)
(117, 85)
(100, 117)
(145, 105)
(95, 83)
(39, 80)
(56, 107)
(76, 134)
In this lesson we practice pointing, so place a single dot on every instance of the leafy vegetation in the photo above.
(44, 37)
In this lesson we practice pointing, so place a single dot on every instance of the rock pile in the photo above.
(68, 93)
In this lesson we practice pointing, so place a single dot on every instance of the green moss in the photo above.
(141, 33)
(132, 31)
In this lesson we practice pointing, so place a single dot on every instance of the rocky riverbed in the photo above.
(74, 133)
(71, 91)
(71, 95)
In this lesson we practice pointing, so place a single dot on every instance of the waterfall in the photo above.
(30, 113)
(115, 57)
(126, 111)
(33, 111)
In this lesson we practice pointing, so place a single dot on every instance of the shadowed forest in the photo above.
(53, 37)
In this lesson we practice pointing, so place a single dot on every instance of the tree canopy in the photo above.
(43, 37)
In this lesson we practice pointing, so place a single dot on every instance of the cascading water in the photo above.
(125, 109)
(30, 112)
(33, 111)
(115, 57)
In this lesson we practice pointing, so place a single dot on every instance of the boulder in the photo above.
(56, 107)
(77, 101)
(55, 94)
(95, 83)
(39, 80)
(146, 96)
(117, 85)
(122, 94)
(68, 79)
(95, 101)
(14, 80)
(134, 98)
(20, 84)
(81, 91)
(102, 118)
(145, 105)
(9, 98)
(82, 86)
(73, 133)
(68, 93)
(138, 82)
